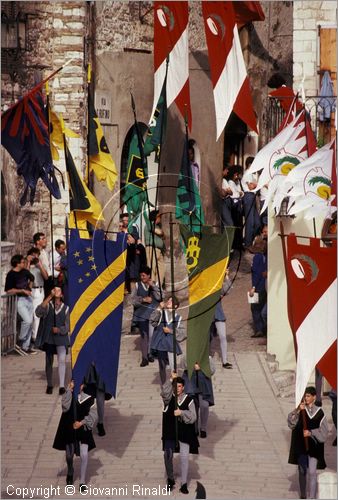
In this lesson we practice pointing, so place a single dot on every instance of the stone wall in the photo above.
(308, 15)
(267, 47)
(55, 34)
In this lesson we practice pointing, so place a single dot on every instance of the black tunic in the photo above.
(93, 382)
(186, 432)
(316, 449)
(65, 433)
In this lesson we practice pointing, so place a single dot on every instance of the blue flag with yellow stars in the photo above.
(96, 270)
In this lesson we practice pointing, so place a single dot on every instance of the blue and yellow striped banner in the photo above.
(96, 271)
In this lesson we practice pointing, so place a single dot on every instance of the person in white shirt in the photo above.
(236, 204)
(35, 267)
(58, 253)
(195, 168)
(252, 220)
(263, 193)
(226, 192)
(40, 242)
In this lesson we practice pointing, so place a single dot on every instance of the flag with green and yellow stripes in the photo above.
(207, 256)
(96, 271)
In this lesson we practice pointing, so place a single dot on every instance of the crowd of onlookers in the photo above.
(31, 279)
(241, 207)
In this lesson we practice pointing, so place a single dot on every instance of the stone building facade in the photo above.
(54, 34)
(117, 38)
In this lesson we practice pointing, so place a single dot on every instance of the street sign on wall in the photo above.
(103, 106)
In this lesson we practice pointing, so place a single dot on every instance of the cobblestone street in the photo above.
(244, 456)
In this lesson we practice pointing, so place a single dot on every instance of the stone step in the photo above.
(284, 378)
(287, 392)
(273, 366)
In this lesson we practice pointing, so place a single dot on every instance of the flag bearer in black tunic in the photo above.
(187, 438)
(74, 433)
(145, 298)
(308, 424)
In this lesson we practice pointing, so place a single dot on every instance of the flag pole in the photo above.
(39, 85)
(50, 202)
(283, 236)
(89, 77)
(172, 273)
(161, 135)
(188, 160)
(152, 224)
(308, 154)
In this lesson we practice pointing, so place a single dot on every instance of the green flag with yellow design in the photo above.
(135, 189)
(207, 256)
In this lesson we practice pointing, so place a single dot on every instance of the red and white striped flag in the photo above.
(311, 272)
(171, 39)
(227, 68)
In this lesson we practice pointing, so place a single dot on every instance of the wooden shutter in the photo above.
(328, 62)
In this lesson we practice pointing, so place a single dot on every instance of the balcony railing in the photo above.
(321, 111)
(8, 323)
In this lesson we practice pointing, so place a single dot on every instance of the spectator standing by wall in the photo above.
(252, 221)
(19, 282)
(35, 267)
(236, 205)
(258, 278)
(40, 242)
(226, 192)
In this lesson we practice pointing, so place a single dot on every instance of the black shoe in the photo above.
(184, 489)
(144, 362)
(62, 390)
(228, 366)
(257, 335)
(100, 429)
(49, 389)
(83, 488)
(150, 358)
(170, 484)
(334, 443)
(69, 479)
(203, 434)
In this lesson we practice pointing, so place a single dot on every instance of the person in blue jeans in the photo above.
(19, 282)
(258, 276)
(252, 220)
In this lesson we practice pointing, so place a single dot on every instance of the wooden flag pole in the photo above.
(306, 439)
(152, 224)
(89, 77)
(161, 136)
(39, 85)
(51, 205)
(172, 273)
